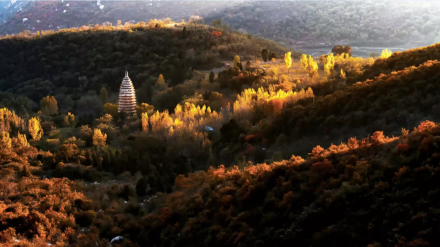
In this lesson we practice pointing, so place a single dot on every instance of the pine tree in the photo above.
(141, 186)
(264, 55)
(146, 163)
(211, 77)
(160, 83)
(184, 32)
(34, 128)
(104, 96)
(23, 112)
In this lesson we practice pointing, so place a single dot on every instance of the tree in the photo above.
(264, 55)
(69, 103)
(69, 120)
(211, 77)
(104, 96)
(160, 83)
(313, 67)
(144, 108)
(304, 61)
(272, 56)
(5, 140)
(184, 32)
(342, 75)
(386, 53)
(236, 60)
(111, 109)
(374, 55)
(22, 140)
(340, 49)
(49, 105)
(216, 23)
(141, 186)
(248, 65)
(288, 60)
(329, 65)
(34, 128)
(99, 138)
(145, 122)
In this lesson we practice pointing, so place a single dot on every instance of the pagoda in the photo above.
(127, 96)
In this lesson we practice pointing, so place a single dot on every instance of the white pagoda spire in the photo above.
(127, 96)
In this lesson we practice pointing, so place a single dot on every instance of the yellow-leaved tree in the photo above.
(69, 120)
(342, 75)
(22, 140)
(5, 140)
(304, 61)
(386, 53)
(99, 138)
(236, 60)
(288, 60)
(329, 65)
(313, 67)
(34, 128)
(145, 122)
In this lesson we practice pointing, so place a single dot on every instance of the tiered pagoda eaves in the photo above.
(127, 96)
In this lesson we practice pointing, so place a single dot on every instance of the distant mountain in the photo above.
(9, 9)
(299, 24)
(323, 23)
(45, 15)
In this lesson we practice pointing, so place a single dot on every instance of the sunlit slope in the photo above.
(376, 192)
(36, 65)
(389, 102)
(399, 61)
(44, 15)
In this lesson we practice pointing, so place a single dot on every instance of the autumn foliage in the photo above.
(216, 33)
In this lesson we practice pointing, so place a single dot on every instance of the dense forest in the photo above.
(225, 147)
(35, 65)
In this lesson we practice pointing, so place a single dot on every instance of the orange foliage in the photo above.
(402, 148)
(249, 138)
(216, 33)
(425, 126)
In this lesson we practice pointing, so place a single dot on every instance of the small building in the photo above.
(127, 96)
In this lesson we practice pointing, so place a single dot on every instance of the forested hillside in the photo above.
(388, 102)
(223, 145)
(378, 191)
(73, 61)
(399, 61)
